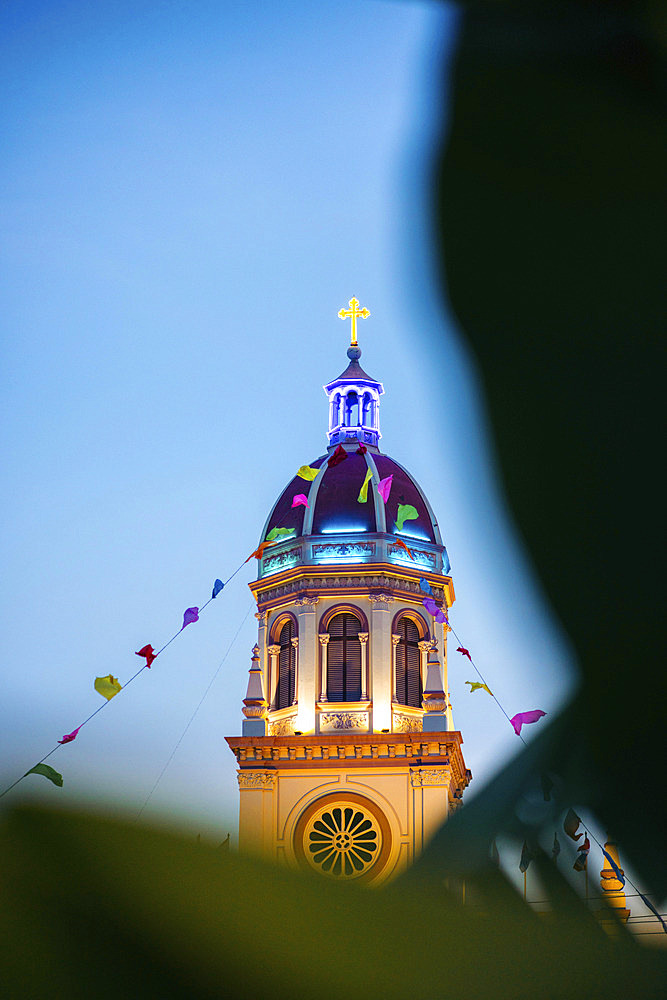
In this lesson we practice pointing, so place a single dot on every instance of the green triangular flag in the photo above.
(48, 772)
(279, 533)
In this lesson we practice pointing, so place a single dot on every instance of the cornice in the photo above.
(308, 583)
(354, 750)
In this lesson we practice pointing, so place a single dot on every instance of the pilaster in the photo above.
(307, 672)
(381, 661)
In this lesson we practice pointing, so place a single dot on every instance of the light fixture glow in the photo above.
(343, 530)
(413, 534)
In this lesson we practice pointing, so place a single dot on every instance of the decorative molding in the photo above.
(343, 549)
(343, 720)
(257, 779)
(362, 637)
(303, 601)
(418, 555)
(429, 776)
(283, 727)
(289, 558)
(406, 723)
(380, 598)
(332, 581)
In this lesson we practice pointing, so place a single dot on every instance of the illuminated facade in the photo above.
(349, 759)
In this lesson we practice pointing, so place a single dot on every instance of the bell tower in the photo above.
(349, 759)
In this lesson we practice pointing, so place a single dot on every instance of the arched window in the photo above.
(286, 666)
(344, 658)
(352, 410)
(408, 664)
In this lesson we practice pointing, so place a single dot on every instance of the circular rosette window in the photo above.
(342, 841)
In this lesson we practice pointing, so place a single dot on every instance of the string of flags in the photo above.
(109, 686)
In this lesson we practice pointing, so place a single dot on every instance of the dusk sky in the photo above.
(190, 192)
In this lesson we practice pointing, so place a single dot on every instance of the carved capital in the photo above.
(362, 637)
(295, 642)
(395, 639)
(425, 645)
(429, 776)
(324, 638)
(274, 650)
(261, 616)
(257, 779)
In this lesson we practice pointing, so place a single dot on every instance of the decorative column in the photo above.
(424, 647)
(306, 692)
(611, 885)
(381, 665)
(274, 652)
(395, 639)
(324, 642)
(256, 815)
(363, 641)
(295, 644)
(430, 792)
(254, 703)
(434, 701)
(262, 618)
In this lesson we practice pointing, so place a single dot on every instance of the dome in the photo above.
(333, 501)
(336, 527)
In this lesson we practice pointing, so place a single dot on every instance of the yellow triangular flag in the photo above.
(474, 685)
(107, 686)
(363, 492)
(307, 472)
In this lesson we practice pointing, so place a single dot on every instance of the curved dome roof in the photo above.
(334, 507)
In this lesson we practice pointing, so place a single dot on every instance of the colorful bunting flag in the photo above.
(47, 772)
(190, 615)
(425, 586)
(384, 487)
(582, 858)
(652, 908)
(401, 545)
(524, 718)
(300, 498)
(259, 551)
(464, 651)
(107, 686)
(148, 652)
(279, 533)
(527, 855)
(555, 850)
(406, 512)
(363, 492)
(307, 472)
(70, 736)
(217, 587)
(434, 610)
(338, 456)
(571, 824)
(361, 450)
(476, 685)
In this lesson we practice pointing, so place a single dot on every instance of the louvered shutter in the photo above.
(344, 659)
(286, 663)
(408, 664)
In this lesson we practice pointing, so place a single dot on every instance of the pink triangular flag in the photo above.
(70, 736)
(300, 498)
(523, 718)
(384, 487)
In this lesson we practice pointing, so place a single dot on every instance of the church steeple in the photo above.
(354, 397)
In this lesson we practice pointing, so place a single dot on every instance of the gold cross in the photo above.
(352, 313)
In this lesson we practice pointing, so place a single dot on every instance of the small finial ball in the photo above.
(354, 353)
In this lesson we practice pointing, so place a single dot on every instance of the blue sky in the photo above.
(190, 192)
